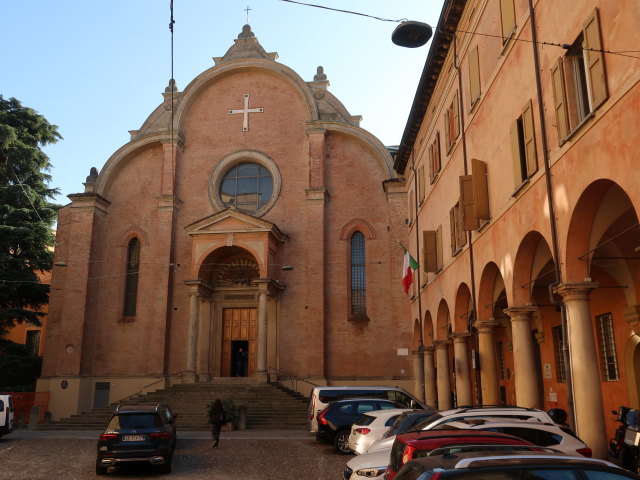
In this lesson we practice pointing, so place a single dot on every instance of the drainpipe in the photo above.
(552, 219)
(474, 315)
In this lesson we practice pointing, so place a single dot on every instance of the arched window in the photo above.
(358, 275)
(131, 279)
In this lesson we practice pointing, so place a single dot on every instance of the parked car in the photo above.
(515, 465)
(370, 427)
(542, 434)
(421, 444)
(445, 416)
(335, 421)
(6, 414)
(141, 434)
(320, 397)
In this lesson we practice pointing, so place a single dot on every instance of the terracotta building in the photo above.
(250, 211)
(521, 156)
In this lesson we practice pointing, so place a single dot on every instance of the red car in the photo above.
(420, 444)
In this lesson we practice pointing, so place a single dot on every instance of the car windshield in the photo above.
(134, 420)
(404, 424)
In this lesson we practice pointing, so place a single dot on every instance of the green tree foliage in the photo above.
(19, 368)
(26, 215)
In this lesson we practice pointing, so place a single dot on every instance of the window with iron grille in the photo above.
(607, 348)
(501, 366)
(358, 275)
(558, 346)
(131, 281)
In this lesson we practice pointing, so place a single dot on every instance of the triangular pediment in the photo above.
(232, 221)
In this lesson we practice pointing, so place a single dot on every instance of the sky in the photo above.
(97, 69)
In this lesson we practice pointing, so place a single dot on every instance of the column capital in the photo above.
(632, 314)
(524, 313)
(442, 344)
(571, 291)
(459, 337)
(199, 287)
(429, 350)
(485, 326)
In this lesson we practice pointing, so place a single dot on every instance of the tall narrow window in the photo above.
(131, 281)
(558, 347)
(607, 348)
(358, 275)
(501, 362)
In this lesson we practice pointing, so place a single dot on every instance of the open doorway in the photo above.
(239, 358)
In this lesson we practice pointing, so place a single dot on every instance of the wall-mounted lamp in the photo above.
(60, 264)
(286, 268)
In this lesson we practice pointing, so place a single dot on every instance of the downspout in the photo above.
(473, 316)
(552, 220)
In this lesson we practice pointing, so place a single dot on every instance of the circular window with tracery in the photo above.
(247, 181)
(247, 187)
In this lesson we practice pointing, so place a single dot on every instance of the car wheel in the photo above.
(100, 470)
(341, 442)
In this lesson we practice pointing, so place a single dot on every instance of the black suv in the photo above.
(335, 421)
(138, 433)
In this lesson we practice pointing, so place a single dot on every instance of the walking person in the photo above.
(217, 418)
(241, 363)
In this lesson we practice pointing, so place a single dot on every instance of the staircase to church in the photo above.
(269, 406)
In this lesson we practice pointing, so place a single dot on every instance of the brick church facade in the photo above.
(250, 211)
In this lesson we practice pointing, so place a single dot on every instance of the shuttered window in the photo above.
(131, 278)
(474, 196)
(579, 79)
(452, 122)
(508, 18)
(430, 250)
(421, 187)
(434, 158)
(458, 236)
(474, 75)
(523, 146)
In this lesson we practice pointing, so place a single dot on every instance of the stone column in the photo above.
(463, 378)
(192, 335)
(430, 392)
(524, 363)
(418, 374)
(585, 371)
(487, 360)
(443, 378)
(261, 363)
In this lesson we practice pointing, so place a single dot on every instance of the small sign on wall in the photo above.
(547, 371)
(403, 352)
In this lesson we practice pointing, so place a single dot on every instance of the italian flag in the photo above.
(408, 266)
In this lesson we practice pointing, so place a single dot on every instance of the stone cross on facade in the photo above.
(245, 112)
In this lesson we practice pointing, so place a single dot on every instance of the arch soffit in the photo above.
(357, 225)
(462, 309)
(428, 329)
(415, 336)
(212, 251)
(366, 138)
(192, 90)
(532, 255)
(490, 280)
(443, 321)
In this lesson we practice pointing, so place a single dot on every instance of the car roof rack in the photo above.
(466, 408)
(469, 462)
(464, 448)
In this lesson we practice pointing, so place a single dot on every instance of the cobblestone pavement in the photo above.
(248, 455)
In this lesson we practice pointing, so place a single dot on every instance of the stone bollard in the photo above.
(33, 417)
(242, 417)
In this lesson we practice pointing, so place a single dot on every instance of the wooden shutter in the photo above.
(595, 60)
(518, 176)
(439, 262)
(529, 137)
(430, 249)
(447, 127)
(452, 227)
(474, 75)
(560, 100)
(480, 189)
(436, 154)
(431, 165)
(421, 184)
(461, 234)
(456, 116)
(412, 205)
(467, 211)
(508, 17)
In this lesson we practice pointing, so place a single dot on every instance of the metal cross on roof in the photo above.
(248, 10)
(245, 112)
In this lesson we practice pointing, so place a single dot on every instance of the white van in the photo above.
(6, 414)
(321, 396)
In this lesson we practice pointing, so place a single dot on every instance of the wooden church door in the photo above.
(240, 328)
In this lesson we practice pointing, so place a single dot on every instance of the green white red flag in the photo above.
(408, 266)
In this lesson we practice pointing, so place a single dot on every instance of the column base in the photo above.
(188, 377)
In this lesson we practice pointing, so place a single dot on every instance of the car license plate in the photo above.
(132, 438)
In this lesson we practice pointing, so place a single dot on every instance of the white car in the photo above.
(445, 416)
(367, 465)
(541, 434)
(370, 427)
